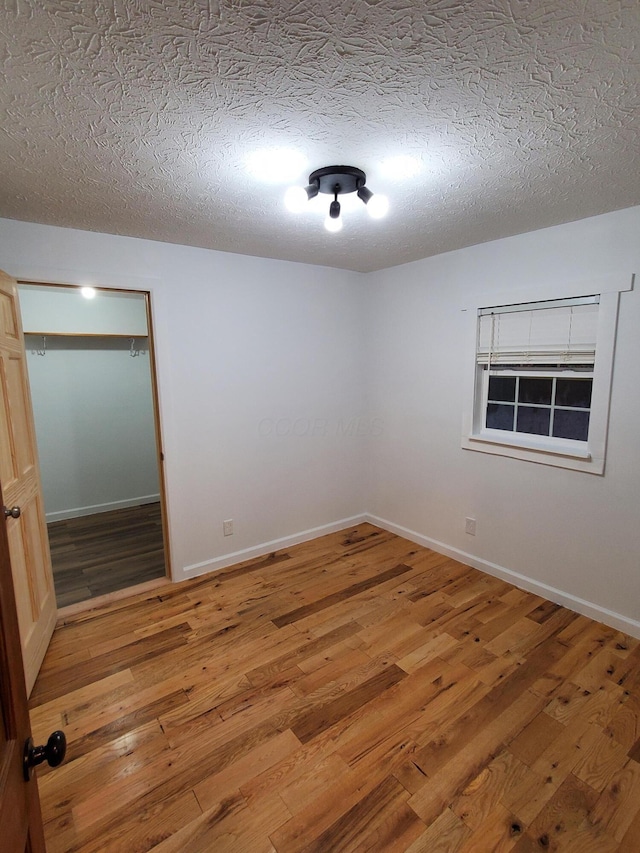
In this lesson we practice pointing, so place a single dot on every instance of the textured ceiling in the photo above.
(138, 118)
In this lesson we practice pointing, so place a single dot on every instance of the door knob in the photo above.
(14, 512)
(53, 753)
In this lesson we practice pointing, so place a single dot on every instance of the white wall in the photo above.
(293, 397)
(95, 427)
(92, 401)
(260, 375)
(571, 535)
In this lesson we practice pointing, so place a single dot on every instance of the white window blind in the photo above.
(559, 332)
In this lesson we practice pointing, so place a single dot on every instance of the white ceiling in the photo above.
(138, 117)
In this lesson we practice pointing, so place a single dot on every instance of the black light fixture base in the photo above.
(338, 179)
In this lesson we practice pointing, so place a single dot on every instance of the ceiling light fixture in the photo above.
(335, 181)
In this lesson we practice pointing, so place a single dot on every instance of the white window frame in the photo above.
(586, 456)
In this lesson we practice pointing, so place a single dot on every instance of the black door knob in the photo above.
(53, 753)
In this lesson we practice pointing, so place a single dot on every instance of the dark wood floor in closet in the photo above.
(102, 553)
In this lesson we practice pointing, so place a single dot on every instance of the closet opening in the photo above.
(93, 389)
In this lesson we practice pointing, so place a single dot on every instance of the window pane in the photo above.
(533, 390)
(500, 416)
(502, 388)
(533, 420)
(574, 392)
(571, 425)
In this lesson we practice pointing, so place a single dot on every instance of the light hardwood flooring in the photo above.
(98, 554)
(355, 693)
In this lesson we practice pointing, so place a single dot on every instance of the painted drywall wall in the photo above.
(567, 532)
(92, 400)
(95, 429)
(293, 397)
(260, 369)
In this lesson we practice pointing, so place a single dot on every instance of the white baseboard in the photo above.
(93, 509)
(267, 547)
(572, 602)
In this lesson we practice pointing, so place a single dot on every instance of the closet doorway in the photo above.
(93, 389)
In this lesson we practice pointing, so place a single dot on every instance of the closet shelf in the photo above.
(135, 335)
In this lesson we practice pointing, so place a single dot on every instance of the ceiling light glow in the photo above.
(88, 292)
(296, 199)
(400, 167)
(276, 165)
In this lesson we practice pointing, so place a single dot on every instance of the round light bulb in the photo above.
(296, 199)
(377, 206)
(88, 292)
(333, 225)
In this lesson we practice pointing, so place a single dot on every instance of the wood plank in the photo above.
(484, 793)
(321, 717)
(564, 823)
(373, 809)
(51, 685)
(337, 597)
(500, 832)
(618, 804)
(209, 791)
(543, 729)
(446, 781)
(446, 834)
(393, 832)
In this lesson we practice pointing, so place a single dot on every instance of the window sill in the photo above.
(575, 450)
(571, 455)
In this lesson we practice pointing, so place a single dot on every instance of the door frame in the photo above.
(90, 602)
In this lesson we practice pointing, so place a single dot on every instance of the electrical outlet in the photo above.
(227, 527)
(470, 526)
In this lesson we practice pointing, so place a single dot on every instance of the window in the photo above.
(542, 380)
(540, 403)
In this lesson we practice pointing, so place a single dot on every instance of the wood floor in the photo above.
(356, 693)
(98, 554)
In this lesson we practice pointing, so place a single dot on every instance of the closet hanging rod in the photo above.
(128, 335)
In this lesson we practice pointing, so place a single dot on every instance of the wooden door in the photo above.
(20, 818)
(20, 478)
